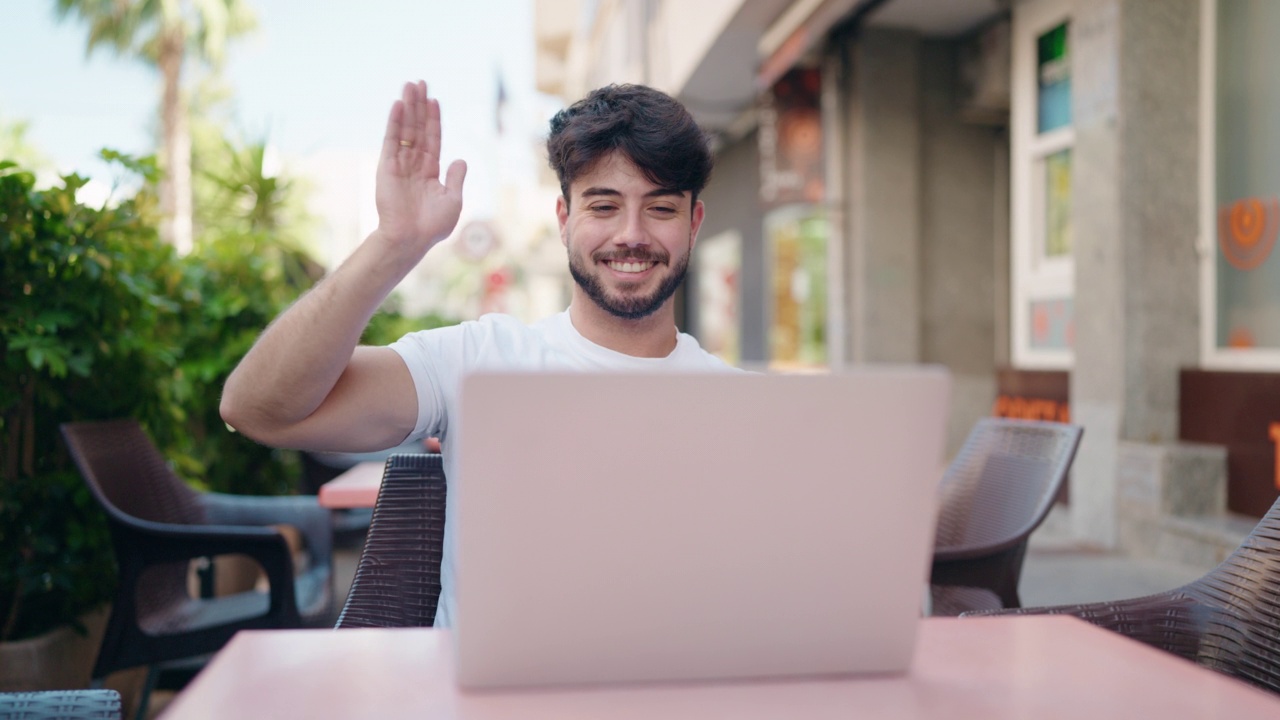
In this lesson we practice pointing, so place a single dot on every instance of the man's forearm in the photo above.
(297, 361)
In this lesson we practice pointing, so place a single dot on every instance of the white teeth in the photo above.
(630, 267)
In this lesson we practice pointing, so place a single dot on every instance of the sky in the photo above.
(315, 77)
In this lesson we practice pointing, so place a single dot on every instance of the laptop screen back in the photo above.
(626, 527)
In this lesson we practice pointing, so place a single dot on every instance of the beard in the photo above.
(628, 306)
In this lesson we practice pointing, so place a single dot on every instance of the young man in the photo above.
(631, 161)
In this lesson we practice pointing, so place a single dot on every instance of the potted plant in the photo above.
(100, 319)
(83, 292)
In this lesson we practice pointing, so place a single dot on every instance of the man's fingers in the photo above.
(431, 130)
(454, 178)
(414, 116)
(395, 123)
(421, 133)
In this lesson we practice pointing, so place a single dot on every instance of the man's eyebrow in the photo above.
(610, 192)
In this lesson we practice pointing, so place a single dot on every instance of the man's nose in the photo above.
(632, 232)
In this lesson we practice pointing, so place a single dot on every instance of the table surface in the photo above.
(357, 487)
(1043, 667)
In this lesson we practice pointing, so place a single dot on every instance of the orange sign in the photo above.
(1275, 440)
(1025, 408)
(1247, 231)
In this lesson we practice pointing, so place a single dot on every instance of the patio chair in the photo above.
(1225, 621)
(397, 582)
(993, 495)
(61, 705)
(158, 524)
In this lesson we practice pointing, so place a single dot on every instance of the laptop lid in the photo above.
(633, 527)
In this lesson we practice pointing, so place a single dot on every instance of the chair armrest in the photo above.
(143, 543)
(1172, 621)
(302, 512)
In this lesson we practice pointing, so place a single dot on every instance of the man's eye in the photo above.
(603, 208)
(664, 210)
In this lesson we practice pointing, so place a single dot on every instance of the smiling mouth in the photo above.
(629, 266)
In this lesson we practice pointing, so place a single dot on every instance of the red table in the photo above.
(1014, 668)
(355, 488)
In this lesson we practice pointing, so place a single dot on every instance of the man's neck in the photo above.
(650, 337)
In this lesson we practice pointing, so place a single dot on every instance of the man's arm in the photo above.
(304, 383)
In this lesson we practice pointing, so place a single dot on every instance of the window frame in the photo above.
(1034, 277)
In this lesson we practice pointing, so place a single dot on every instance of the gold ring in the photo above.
(406, 143)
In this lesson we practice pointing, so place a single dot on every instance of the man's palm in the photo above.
(414, 207)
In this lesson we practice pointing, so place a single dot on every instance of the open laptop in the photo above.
(638, 528)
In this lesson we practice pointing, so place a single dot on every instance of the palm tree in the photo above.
(161, 33)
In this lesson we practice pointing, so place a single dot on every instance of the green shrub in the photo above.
(100, 319)
(85, 297)
(232, 286)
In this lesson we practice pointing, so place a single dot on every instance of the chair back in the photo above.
(129, 478)
(127, 473)
(397, 583)
(1003, 482)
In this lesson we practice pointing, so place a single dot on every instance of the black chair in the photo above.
(61, 705)
(1228, 620)
(397, 582)
(159, 524)
(993, 495)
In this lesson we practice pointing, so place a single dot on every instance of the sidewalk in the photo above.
(1059, 571)
(1059, 576)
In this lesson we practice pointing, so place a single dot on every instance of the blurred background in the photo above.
(310, 91)
(1071, 204)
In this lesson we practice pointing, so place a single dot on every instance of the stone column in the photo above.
(1135, 85)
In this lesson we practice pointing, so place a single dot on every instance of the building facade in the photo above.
(1069, 203)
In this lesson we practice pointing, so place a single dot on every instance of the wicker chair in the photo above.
(397, 582)
(61, 705)
(994, 494)
(1228, 620)
(158, 524)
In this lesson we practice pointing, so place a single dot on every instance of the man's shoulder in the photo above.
(693, 356)
(485, 325)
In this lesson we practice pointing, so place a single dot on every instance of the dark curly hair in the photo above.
(650, 127)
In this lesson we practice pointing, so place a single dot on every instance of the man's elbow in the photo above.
(239, 416)
(231, 411)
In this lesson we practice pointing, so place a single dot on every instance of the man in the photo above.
(630, 161)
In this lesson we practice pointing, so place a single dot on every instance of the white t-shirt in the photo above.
(437, 360)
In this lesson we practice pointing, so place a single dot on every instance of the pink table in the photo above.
(355, 488)
(1045, 667)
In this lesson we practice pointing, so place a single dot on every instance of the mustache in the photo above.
(633, 254)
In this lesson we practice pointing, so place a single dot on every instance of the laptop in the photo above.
(620, 528)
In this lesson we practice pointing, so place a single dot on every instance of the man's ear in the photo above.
(562, 215)
(699, 211)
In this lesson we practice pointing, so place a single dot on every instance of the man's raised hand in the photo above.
(415, 209)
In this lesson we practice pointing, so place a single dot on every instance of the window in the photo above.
(1043, 312)
(719, 295)
(1241, 184)
(796, 236)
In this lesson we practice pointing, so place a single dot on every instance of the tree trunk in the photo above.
(175, 156)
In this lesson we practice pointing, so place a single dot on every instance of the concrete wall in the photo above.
(732, 199)
(925, 244)
(882, 287)
(959, 242)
